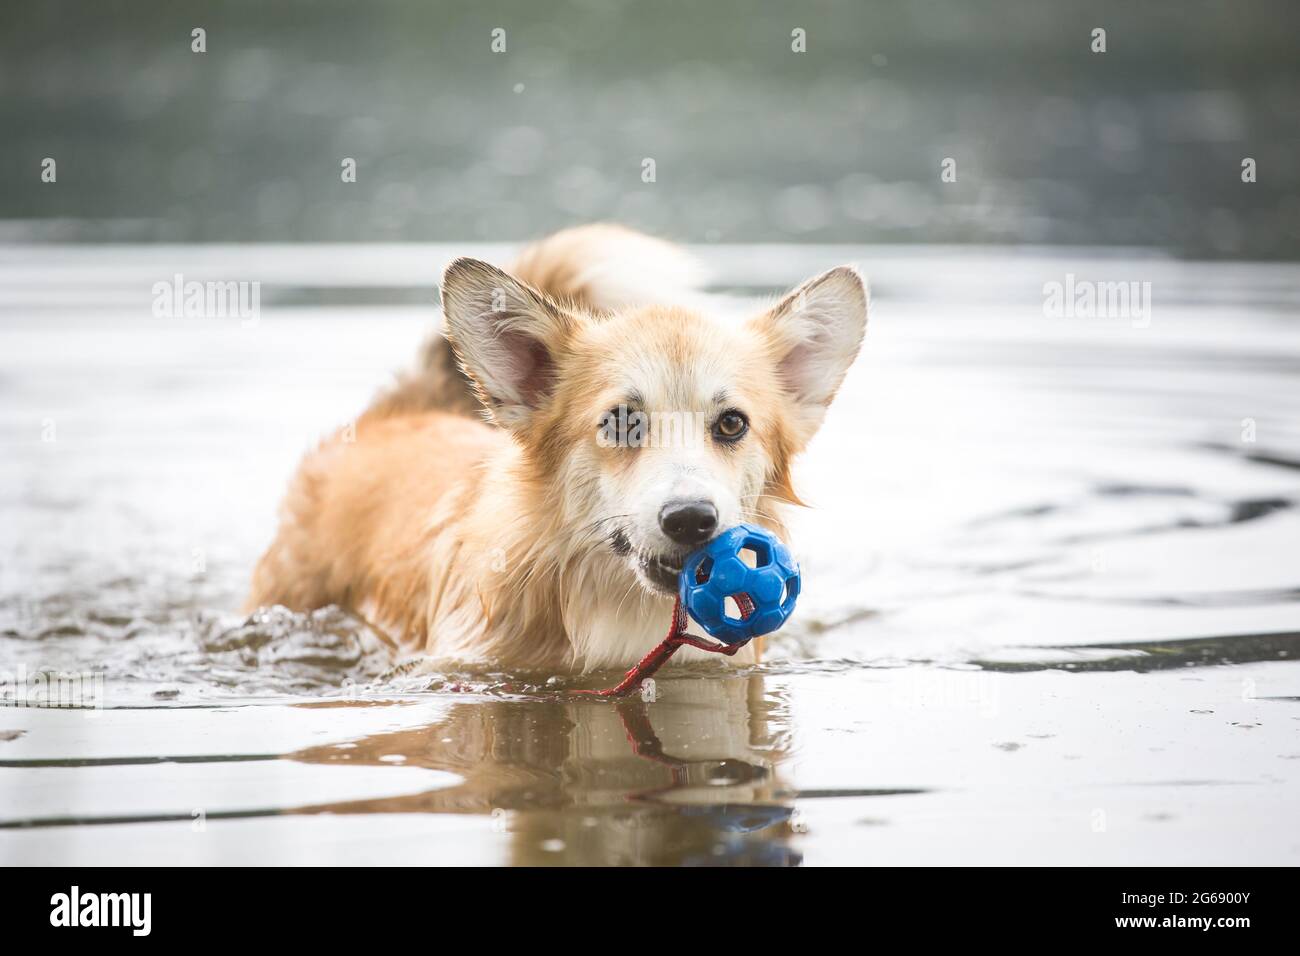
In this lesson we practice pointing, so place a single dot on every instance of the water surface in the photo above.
(1050, 610)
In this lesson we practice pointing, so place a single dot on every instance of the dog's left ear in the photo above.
(814, 334)
(506, 335)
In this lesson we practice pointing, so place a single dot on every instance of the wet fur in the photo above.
(492, 542)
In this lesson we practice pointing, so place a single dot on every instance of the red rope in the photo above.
(677, 637)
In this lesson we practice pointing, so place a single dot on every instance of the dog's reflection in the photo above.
(690, 778)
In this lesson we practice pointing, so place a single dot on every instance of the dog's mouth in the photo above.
(662, 571)
(659, 572)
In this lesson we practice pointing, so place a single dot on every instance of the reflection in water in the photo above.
(689, 778)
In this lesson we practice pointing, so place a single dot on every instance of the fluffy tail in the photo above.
(603, 267)
(597, 268)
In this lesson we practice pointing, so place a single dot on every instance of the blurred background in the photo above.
(1140, 146)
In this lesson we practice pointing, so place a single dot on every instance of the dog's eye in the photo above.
(612, 428)
(730, 426)
(621, 428)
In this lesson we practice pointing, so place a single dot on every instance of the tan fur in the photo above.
(603, 267)
(489, 543)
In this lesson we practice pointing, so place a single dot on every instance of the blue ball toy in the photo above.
(763, 594)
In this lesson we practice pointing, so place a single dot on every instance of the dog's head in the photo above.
(649, 430)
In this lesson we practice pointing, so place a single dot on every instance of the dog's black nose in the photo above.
(689, 522)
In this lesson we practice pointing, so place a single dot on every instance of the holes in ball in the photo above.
(737, 607)
(756, 553)
(789, 591)
(703, 571)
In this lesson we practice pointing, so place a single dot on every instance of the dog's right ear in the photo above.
(506, 335)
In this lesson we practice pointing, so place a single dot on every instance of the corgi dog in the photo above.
(517, 501)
